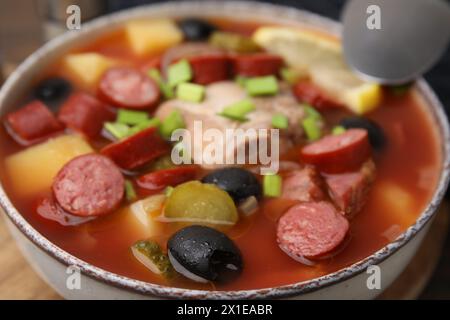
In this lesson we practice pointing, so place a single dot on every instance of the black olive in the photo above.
(376, 135)
(239, 183)
(196, 29)
(204, 254)
(52, 91)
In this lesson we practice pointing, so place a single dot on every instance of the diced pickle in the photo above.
(201, 203)
(150, 254)
(165, 162)
(233, 42)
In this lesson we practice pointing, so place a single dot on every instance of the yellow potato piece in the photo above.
(397, 203)
(87, 68)
(139, 214)
(152, 36)
(32, 170)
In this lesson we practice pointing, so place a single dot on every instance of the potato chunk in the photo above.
(33, 169)
(396, 202)
(153, 36)
(87, 68)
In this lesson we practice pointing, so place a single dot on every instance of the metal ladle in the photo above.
(395, 41)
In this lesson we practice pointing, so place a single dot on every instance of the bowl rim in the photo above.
(244, 9)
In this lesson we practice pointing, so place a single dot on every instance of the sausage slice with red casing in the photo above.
(128, 88)
(257, 64)
(32, 123)
(308, 92)
(137, 150)
(338, 153)
(89, 185)
(85, 113)
(210, 68)
(160, 179)
(311, 230)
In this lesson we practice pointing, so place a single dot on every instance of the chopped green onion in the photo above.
(190, 92)
(280, 121)
(163, 86)
(179, 72)
(261, 86)
(338, 130)
(238, 111)
(172, 122)
(312, 128)
(240, 80)
(311, 112)
(118, 130)
(129, 191)
(131, 117)
(168, 191)
(154, 122)
(272, 185)
(291, 76)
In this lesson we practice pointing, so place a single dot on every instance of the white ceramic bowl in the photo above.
(351, 282)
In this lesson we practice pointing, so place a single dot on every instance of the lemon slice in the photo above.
(322, 58)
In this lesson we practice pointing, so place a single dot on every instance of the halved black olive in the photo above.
(376, 135)
(239, 183)
(52, 91)
(204, 254)
(196, 29)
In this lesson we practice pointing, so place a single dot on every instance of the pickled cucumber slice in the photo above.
(233, 42)
(201, 203)
(150, 254)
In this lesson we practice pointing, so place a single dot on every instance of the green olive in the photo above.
(198, 202)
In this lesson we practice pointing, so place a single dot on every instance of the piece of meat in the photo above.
(349, 191)
(49, 209)
(160, 179)
(128, 88)
(309, 93)
(89, 185)
(338, 153)
(257, 64)
(85, 113)
(207, 69)
(304, 185)
(222, 94)
(31, 123)
(137, 150)
(312, 230)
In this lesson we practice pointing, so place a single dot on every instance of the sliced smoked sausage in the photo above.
(211, 68)
(160, 179)
(138, 149)
(308, 92)
(89, 185)
(32, 123)
(338, 153)
(128, 88)
(257, 64)
(311, 230)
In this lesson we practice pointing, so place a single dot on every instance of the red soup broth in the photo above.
(411, 161)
